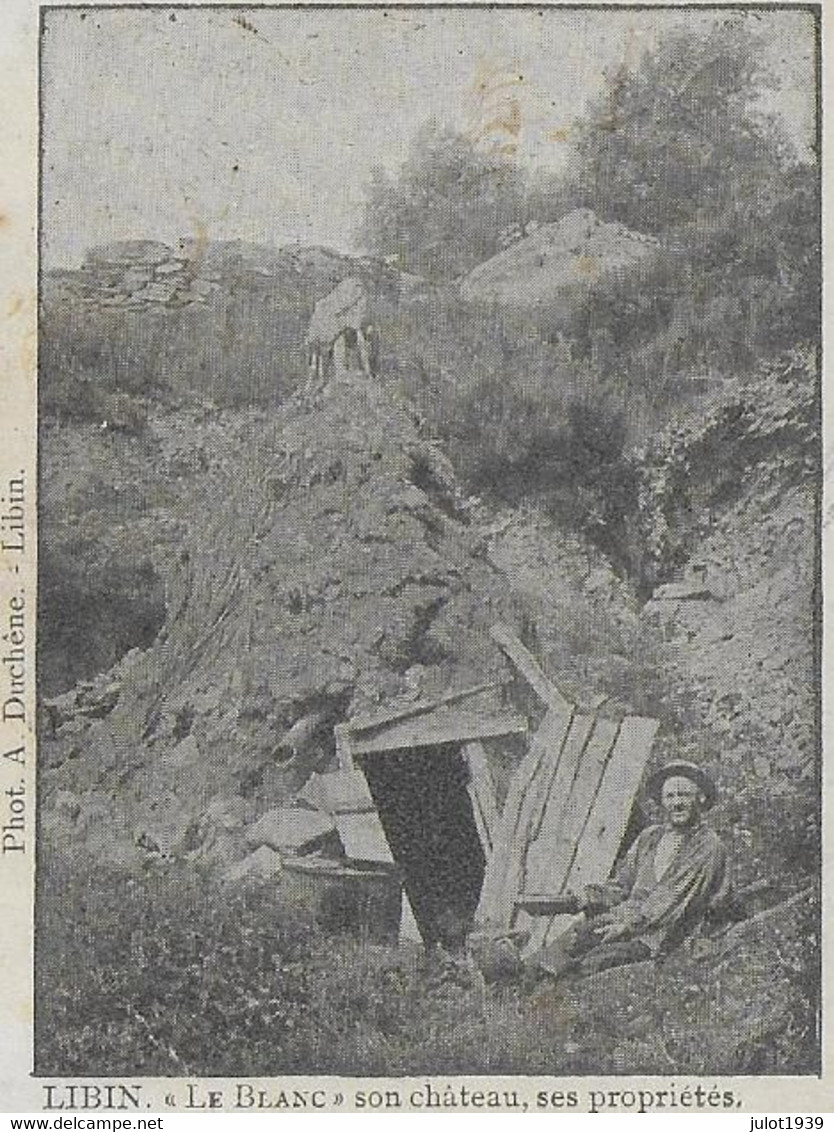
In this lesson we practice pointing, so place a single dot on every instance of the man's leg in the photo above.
(617, 954)
(581, 949)
(566, 952)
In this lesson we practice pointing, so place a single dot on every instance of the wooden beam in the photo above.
(436, 731)
(369, 722)
(529, 667)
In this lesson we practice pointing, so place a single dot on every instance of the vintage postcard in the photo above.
(411, 577)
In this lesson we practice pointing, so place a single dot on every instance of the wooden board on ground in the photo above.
(438, 729)
(481, 790)
(502, 870)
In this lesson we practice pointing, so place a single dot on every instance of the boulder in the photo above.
(557, 261)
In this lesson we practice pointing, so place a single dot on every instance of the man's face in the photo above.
(681, 800)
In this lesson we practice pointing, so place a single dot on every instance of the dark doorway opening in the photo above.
(423, 803)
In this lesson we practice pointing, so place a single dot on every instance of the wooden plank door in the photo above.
(552, 854)
(503, 870)
(602, 833)
(544, 866)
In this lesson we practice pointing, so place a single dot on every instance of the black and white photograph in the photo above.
(429, 518)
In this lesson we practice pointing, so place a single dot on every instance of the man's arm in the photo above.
(612, 892)
(683, 894)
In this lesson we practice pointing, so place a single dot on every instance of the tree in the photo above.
(678, 146)
(446, 209)
(680, 135)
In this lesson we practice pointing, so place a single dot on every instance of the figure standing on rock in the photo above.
(338, 335)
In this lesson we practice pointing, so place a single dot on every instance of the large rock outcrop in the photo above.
(558, 263)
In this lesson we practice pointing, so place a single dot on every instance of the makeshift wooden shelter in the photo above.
(567, 810)
(415, 788)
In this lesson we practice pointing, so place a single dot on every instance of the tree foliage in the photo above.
(681, 135)
(446, 208)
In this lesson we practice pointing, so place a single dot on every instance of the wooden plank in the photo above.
(603, 833)
(496, 904)
(481, 789)
(559, 785)
(363, 836)
(535, 797)
(553, 854)
(541, 905)
(409, 929)
(555, 791)
(369, 722)
(344, 753)
(529, 667)
(346, 791)
(454, 727)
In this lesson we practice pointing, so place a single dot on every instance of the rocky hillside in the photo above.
(326, 565)
(305, 565)
(730, 511)
(238, 581)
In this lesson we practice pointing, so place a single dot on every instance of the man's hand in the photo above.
(610, 933)
(594, 896)
(611, 928)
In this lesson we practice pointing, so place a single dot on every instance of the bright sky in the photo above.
(263, 125)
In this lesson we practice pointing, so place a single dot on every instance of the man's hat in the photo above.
(683, 769)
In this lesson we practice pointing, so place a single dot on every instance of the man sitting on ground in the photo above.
(672, 875)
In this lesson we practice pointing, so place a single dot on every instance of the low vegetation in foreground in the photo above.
(167, 974)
